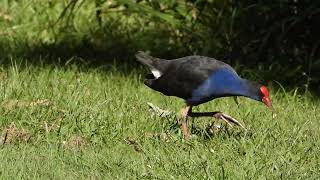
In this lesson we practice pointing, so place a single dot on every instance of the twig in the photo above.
(160, 112)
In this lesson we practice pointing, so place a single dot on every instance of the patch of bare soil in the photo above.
(75, 142)
(12, 135)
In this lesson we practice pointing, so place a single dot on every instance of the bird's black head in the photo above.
(257, 92)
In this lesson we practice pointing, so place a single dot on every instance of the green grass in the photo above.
(81, 122)
(97, 125)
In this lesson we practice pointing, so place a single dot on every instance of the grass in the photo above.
(77, 122)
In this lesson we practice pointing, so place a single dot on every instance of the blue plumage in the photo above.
(220, 83)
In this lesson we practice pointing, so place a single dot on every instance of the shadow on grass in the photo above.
(103, 49)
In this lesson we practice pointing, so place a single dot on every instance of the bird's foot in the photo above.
(184, 127)
(182, 121)
(228, 119)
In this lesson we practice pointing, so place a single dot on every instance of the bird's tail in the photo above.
(147, 60)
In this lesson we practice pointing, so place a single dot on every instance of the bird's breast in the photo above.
(220, 83)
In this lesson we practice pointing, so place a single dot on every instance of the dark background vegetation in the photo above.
(273, 40)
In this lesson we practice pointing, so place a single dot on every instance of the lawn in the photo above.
(80, 122)
(77, 120)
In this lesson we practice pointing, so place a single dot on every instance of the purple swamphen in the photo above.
(199, 79)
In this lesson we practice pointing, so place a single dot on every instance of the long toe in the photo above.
(228, 119)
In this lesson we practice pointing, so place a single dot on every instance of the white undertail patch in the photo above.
(156, 73)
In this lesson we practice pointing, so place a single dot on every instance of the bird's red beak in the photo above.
(267, 102)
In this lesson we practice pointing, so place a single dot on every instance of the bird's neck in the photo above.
(248, 89)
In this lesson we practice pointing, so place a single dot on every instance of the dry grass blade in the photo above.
(54, 126)
(136, 146)
(162, 136)
(160, 112)
(5, 16)
(14, 103)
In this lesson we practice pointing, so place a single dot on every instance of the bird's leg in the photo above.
(219, 115)
(183, 121)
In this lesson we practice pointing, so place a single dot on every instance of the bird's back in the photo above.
(184, 75)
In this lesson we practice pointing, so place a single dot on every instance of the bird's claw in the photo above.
(228, 119)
